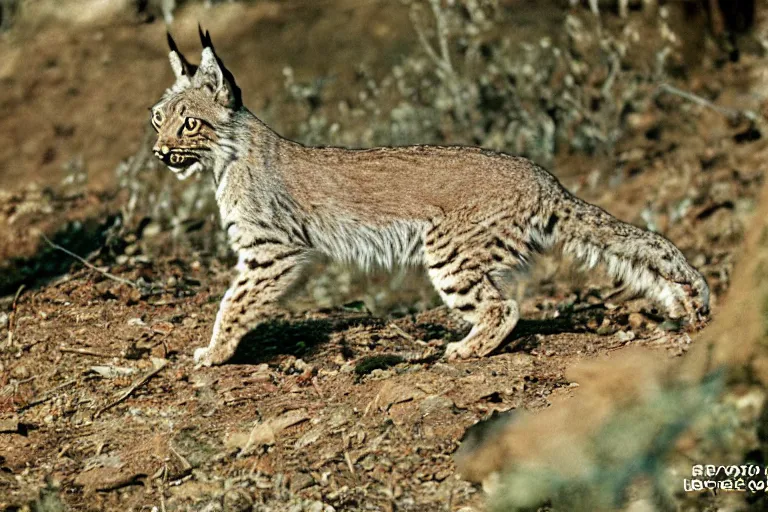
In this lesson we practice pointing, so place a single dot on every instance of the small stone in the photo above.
(3, 320)
(301, 481)
(20, 372)
(162, 327)
(449, 370)
(606, 328)
(132, 297)
(435, 404)
(636, 320)
(104, 288)
(152, 229)
(9, 424)
(310, 438)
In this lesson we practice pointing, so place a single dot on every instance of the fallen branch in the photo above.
(85, 352)
(731, 114)
(136, 385)
(12, 320)
(88, 263)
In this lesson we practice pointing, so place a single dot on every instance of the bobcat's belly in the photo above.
(394, 244)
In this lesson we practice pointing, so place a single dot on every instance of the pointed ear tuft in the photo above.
(205, 37)
(171, 42)
(180, 65)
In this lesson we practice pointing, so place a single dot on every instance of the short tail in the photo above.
(646, 262)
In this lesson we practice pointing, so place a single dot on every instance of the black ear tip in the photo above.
(202, 35)
(171, 43)
(205, 37)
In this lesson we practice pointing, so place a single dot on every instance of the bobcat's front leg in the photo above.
(263, 278)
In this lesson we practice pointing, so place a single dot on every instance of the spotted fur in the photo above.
(471, 216)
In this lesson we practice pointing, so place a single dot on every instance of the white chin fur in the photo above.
(183, 174)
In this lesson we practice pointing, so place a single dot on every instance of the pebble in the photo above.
(636, 320)
(20, 372)
(162, 327)
(9, 424)
(435, 404)
(3, 320)
(301, 481)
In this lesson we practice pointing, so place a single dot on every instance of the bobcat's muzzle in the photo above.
(174, 158)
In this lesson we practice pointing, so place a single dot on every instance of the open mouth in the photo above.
(176, 159)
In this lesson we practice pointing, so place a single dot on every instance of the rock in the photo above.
(310, 437)
(392, 393)
(301, 481)
(162, 327)
(449, 370)
(636, 320)
(436, 404)
(9, 424)
(20, 372)
(265, 433)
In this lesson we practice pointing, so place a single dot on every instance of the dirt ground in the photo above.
(101, 407)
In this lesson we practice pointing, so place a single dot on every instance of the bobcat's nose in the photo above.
(163, 153)
(161, 150)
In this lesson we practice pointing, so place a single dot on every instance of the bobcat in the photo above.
(470, 215)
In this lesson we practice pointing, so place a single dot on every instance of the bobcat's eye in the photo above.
(192, 125)
(157, 119)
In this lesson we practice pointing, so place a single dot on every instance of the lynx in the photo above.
(470, 215)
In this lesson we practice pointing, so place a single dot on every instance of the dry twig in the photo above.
(731, 114)
(136, 385)
(85, 352)
(88, 263)
(12, 320)
(407, 336)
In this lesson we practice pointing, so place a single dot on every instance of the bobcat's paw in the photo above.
(460, 350)
(201, 357)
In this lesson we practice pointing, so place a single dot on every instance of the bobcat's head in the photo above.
(192, 119)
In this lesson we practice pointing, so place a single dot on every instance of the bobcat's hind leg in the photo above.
(465, 266)
(262, 280)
